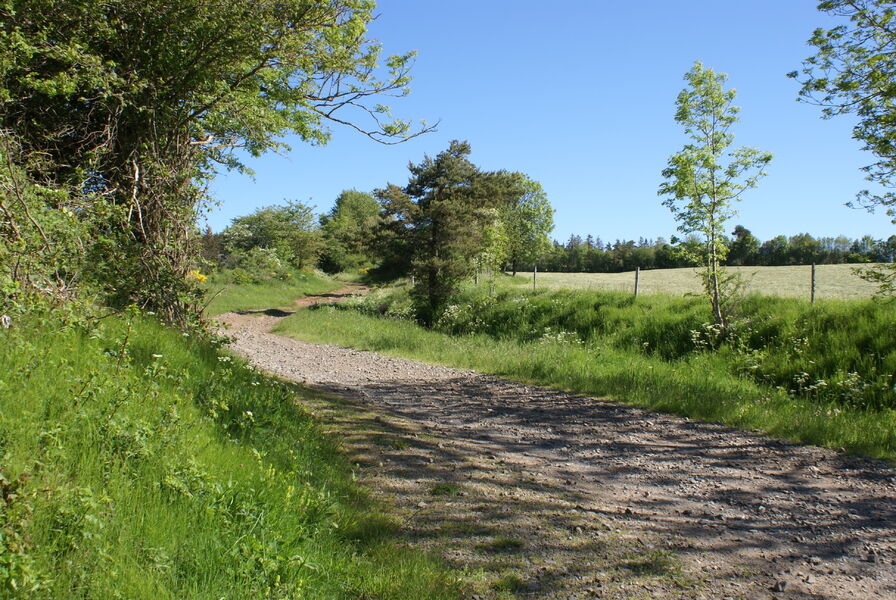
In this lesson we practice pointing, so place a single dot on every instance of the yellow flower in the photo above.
(195, 274)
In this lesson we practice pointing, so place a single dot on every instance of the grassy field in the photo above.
(228, 296)
(139, 462)
(822, 374)
(832, 281)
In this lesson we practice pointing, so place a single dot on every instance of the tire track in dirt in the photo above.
(543, 494)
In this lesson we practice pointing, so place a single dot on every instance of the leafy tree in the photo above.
(529, 220)
(348, 231)
(140, 102)
(440, 220)
(289, 232)
(706, 177)
(774, 251)
(495, 243)
(804, 249)
(743, 248)
(854, 71)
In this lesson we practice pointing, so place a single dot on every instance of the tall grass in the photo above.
(822, 374)
(833, 282)
(136, 462)
(234, 291)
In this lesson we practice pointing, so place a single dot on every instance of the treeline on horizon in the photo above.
(593, 255)
(332, 244)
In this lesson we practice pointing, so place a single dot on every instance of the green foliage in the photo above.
(140, 104)
(821, 374)
(854, 71)
(348, 232)
(441, 220)
(705, 177)
(140, 462)
(273, 237)
(743, 247)
(42, 238)
(529, 220)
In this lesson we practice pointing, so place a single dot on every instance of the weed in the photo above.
(397, 444)
(502, 544)
(509, 583)
(657, 562)
(444, 489)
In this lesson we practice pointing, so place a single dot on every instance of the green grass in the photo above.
(136, 462)
(832, 281)
(228, 295)
(445, 489)
(503, 544)
(821, 375)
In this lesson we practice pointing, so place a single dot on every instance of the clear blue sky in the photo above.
(580, 96)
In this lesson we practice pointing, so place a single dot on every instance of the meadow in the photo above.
(820, 374)
(833, 282)
(137, 461)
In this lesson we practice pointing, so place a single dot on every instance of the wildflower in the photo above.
(197, 276)
(224, 359)
(157, 356)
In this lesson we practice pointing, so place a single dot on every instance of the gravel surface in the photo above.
(552, 495)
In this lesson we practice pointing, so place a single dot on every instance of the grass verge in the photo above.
(617, 365)
(137, 462)
(230, 294)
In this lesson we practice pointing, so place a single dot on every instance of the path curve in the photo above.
(574, 497)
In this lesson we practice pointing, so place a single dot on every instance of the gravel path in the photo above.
(552, 495)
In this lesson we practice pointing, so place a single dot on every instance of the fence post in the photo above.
(637, 278)
(534, 275)
(812, 297)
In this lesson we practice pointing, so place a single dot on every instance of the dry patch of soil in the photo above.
(541, 494)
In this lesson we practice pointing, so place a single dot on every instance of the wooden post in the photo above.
(812, 297)
(637, 278)
(534, 275)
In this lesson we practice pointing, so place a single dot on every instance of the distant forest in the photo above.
(593, 255)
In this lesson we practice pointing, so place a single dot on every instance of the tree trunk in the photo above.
(715, 291)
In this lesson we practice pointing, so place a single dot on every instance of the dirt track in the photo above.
(542, 494)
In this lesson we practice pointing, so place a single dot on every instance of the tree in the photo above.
(439, 221)
(854, 72)
(743, 248)
(140, 102)
(288, 231)
(804, 249)
(211, 248)
(529, 220)
(706, 177)
(348, 231)
(774, 251)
